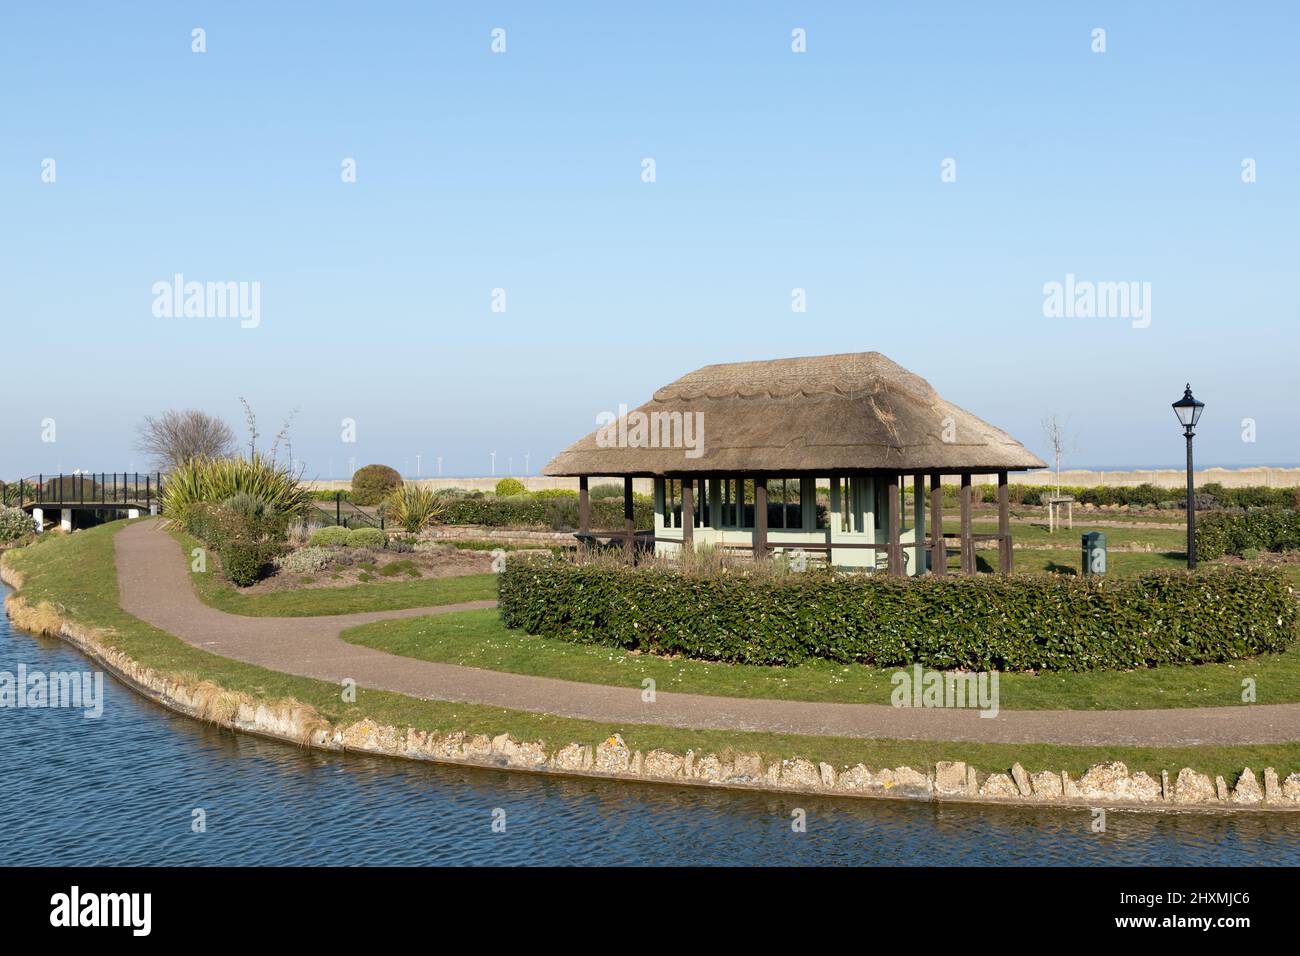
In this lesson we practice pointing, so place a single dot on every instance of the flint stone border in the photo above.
(1247, 791)
(1022, 780)
(950, 778)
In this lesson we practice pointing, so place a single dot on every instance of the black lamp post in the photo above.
(1188, 411)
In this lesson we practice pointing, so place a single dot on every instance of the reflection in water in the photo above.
(122, 789)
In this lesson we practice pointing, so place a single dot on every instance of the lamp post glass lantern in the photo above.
(1188, 410)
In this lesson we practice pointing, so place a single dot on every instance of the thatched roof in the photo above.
(822, 414)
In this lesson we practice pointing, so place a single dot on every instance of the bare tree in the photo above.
(1059, 441)
(175, 437)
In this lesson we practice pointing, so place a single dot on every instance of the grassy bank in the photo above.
(76, 575)
(479, 639)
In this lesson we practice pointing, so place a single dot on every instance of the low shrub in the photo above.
(373, 483)
(459, 493)
(243, 561)
(15, 525)
(366, 538)
(1013, 622)
(405, 566)
(1254, 496)
(321, 494)
(510, 486)
(1263, 529)
(306, 560)
(246, 540)
(546, 493)
(611, 490)
(331, 537)
(261, 520)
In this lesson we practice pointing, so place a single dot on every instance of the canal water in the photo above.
(124, 788)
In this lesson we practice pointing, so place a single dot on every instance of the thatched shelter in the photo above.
(739, 451)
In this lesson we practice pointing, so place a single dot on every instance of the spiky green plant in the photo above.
(412, 507)
(219, 480)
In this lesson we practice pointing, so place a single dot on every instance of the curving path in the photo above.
(154, 586)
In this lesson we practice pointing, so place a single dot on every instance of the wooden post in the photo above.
(760, 518)
(895, 547)
(584, 514)
(688, 515)
(629, 546)
(918, 519)
(938, 552)
(584, 505)
(1004, 525)
(967, 545)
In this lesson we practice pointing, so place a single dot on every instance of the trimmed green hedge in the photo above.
(1140, 496)
(1253, 496)
(1013, 622)
(1264, 529)
(556, 513)
(318, 494)
(554, 493)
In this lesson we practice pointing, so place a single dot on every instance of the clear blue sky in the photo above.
(522, 171)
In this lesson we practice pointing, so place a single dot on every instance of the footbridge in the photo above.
(110, 494)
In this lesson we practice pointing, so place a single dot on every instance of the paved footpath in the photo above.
(155, 587)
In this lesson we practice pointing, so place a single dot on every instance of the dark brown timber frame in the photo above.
(936, 540)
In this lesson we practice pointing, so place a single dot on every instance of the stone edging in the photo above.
(1105, 785)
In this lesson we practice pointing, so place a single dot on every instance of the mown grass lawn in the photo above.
(1123, 564)
(318, 601)
(76, 574)
(1162, 539)
(479, 639)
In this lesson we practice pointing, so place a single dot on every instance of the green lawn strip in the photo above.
(1172, 539)
(314, 602)
(479, 639)
(1119, 564)
(76, 573)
